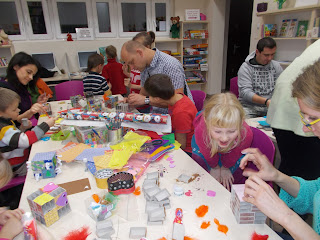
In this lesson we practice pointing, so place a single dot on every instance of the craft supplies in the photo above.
(178, 231)
(47, 107)
(25, 122)
(102, 176)
(91, 135)
(29, 226)
(115, 135)
(121, 183)
(44, 165)
(49, 204)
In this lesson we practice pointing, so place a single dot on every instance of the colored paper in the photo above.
(76, 186)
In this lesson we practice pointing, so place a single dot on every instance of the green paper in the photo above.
(169, 137)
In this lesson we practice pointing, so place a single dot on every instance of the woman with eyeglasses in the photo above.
(296, 193)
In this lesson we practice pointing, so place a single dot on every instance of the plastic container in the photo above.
(29, 227)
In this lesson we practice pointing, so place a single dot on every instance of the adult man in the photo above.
(150, 62)
(257, 78)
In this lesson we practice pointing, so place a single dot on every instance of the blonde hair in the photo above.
(307, 86)
(7, 96)
(5, 172)
(223, 110)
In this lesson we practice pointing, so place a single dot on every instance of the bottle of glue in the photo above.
(29, 227)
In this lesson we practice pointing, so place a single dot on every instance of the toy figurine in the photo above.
(4, 39)
(178, 228)
(175, 27)
(69, 37)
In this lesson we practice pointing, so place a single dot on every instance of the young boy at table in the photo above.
(181, 109)
(94, 82)
(113, 72)
(14, 143)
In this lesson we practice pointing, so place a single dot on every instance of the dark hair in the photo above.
(22, 59)
(159, 85)
(147, 38)
(7, 96)
(111, 51)
(94, 60)
(267, 42)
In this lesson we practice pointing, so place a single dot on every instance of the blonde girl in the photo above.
(219, 137)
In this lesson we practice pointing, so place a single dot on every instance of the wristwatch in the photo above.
(147, 100)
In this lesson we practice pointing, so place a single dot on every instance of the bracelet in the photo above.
(265, 103)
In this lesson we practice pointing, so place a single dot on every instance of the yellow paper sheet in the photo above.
(119, 158)
(101, 162)
(132, 142)
(42, 199)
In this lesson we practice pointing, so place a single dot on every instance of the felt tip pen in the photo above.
(161, 170)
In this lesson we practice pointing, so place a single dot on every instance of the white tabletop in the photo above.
(130, 211)
(253, 122)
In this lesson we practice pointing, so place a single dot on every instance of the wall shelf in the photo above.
(289, 10)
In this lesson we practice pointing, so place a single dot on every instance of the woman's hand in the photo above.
(267, 171)
(216, 173)
(263, 196)
(37, 108)
(226, 178)
(43, 98)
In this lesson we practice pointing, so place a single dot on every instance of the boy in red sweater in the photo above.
(181, 109)
(113, 72)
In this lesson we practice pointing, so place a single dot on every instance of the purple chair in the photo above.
(14, 182)
(67, 89)
(198, 98)
(234, 86)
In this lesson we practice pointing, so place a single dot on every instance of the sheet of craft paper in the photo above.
(68, 146)
(72, 153)
(76, 186)
(102, 162)
(42, 199)
(90, 153)
(119, 159)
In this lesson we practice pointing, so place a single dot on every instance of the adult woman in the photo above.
(296, 193)
(22, 72)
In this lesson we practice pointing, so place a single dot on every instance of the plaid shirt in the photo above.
(165, 64)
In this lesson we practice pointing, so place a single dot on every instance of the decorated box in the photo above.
(91, 135)
(49, 204)
(44, 165)
(244, 212)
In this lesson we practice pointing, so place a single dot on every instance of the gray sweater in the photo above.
(257, 79)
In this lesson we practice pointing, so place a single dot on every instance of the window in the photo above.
(161, 17)
(11, 19)
(133, 16)
(104, 18)
(36, 12)
(70, 15)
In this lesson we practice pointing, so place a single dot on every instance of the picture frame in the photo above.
(192, 15)
(84, 34)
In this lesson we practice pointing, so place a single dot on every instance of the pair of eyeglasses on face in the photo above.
(307, 123)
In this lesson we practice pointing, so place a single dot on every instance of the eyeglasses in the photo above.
(306, 122)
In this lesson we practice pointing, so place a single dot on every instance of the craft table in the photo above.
(130, 210)
(253, 122)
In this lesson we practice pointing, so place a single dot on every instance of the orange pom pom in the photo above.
(163, 238)
(205, 225)
(96, 198)
(189, 238)
(202, 210)
(221, 228)
(137, 191)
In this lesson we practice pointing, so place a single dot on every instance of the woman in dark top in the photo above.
(22, 72)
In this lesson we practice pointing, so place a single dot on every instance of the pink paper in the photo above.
(211, 193)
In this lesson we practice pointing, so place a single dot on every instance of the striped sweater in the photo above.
(14, 144)
(96, 83)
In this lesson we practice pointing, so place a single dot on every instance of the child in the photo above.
(94, 82)
(15, 144)
(220, 134)
(10, 220)
(114, 73)
(181, 109)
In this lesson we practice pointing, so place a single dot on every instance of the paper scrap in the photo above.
(76, 186)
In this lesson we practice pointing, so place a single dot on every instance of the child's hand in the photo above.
(226, 178)
(51, 121)
(7, 214)
(24, 128)
(216, 173)
(11, 228)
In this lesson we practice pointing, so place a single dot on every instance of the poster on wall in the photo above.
(84, 33)
(192, 14)
(301, 3)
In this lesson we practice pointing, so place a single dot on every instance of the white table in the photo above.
(253, 122)
(130, 210)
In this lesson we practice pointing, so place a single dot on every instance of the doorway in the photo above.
(240, 18)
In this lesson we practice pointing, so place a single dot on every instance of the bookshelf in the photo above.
(288, 48)
(178, 45)
(6, 52)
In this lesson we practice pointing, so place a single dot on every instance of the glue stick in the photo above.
(29, 227)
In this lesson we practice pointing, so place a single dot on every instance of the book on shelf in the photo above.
(284, 27)
(269, 30)
(302, 28)
(292, 28)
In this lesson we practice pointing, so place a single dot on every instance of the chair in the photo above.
(198, 98)
(234, 86)
(14, 182)
(66, 89)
